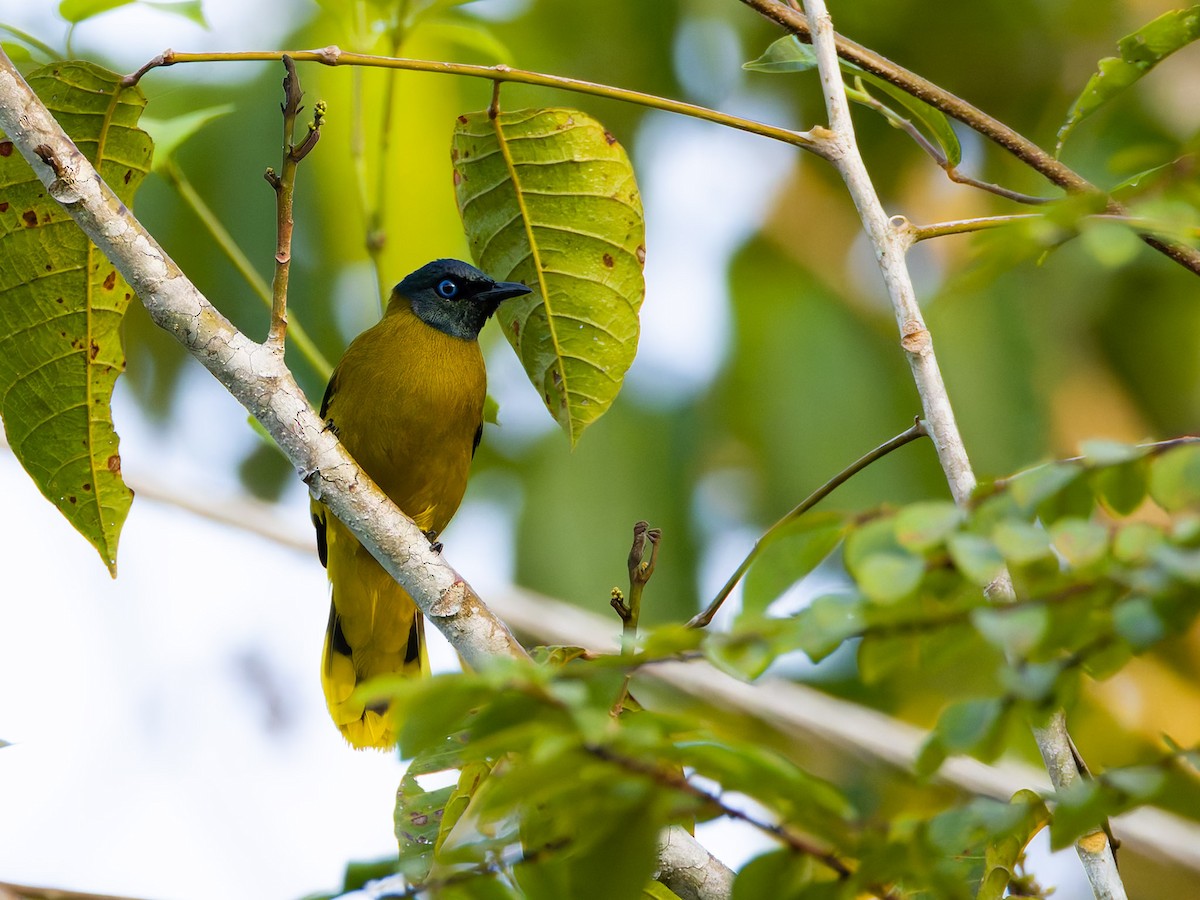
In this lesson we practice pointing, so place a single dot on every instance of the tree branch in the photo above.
(891, 243)
(257, 377)
(334, 56)
(253, 373)
(971, 116)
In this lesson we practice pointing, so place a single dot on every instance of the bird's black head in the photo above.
(454, 297)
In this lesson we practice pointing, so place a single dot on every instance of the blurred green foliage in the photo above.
(1048, 336)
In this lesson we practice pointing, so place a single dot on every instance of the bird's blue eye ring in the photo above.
(446, 288)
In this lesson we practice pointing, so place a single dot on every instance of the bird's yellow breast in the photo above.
(407, 401)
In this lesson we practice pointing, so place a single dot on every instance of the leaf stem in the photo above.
(983, 223)
(27, 38)
(333, 56)
(864, 98)
(917, 430)
(224, 240)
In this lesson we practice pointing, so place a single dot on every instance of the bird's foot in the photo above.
(434, 544)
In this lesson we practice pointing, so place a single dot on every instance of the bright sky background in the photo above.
(169, 735)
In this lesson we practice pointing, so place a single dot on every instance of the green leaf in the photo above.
(470, 779)
(888, 577)
(18, 53)
(170, 134)
(881, 655)
(1030, 489)
(656, 890)
(1138, 623)
(796, 550)
(976, 557)
(61, 307)
(781, 875)
(470, 36)
(1135, 541)
(1102, 452)
(1139, 53)
(189, 9)
(932, 121)
(923, 526)
(1021, 542)
(1083, 806)
(970, 726)
(1005, 849)
(548, 197)
(1135, 181)
(418, 820)
(434, 709)
(788, 54)
(75, 11)
(1175, 478)
(1080, 542)
(1121, 487)
(359, 872)
(794, 794)
(883, 569)
(419, 9)
(822, 626)
(613, 857)
(1016, 630)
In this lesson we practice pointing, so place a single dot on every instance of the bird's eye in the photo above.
(446, 288)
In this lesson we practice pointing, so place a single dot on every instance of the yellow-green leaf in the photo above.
(61, 305)
(548, 197)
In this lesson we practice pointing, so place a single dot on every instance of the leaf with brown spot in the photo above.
(548, 197)
(61, 306)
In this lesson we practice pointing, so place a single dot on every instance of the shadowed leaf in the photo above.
(61, 306)
(548, 197)
(1140, 52)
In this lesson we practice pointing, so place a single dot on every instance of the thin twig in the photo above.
(284, 184)
(225, 242)
(376, 230)
(983, 223)
(891, 243)
(917, 430)
(971, 116)
(10, 891)
(864, 98)
(333, 56)
(674, 778)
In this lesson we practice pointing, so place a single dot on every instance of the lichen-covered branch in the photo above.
(253, 373)
(256, 375)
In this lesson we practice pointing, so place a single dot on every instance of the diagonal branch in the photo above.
(254, 373)
(891, 242)
(970, 115)
(257, 377)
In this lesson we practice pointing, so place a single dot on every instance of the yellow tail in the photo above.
(374, 629)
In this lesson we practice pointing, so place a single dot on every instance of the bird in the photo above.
(406, 400)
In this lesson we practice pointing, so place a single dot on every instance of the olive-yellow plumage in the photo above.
(406, 399)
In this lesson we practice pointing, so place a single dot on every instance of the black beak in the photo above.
(501, 291)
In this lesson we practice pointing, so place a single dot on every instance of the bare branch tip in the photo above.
(494, 106)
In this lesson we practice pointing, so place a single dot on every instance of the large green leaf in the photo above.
(1140, 52)
(548, 197)
(61, 305)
